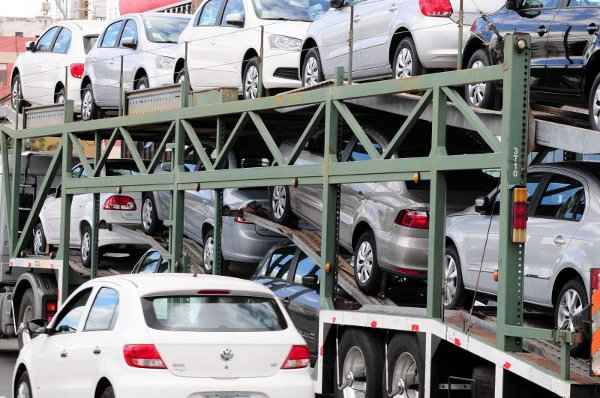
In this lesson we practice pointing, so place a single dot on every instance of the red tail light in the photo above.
(241, 220)
(595, 273)
(50, 310)
(77, 70)
(143, 356)
(436, 8)
(519, 215)
(119, 202)
(299, 357)
(418, 219)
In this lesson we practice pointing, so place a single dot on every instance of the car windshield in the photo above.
(291, 10)
(213, 313)
(164, 29)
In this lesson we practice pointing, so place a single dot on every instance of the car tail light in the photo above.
(299, 357)
(119, 202)
(418, 219)
(51, 307)
(143, 356)
(241, 220)
(519, 215)
(436, 8)
(595, 273)
(77, 70)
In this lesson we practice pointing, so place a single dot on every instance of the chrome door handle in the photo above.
(542, 30)
(97, 351)
(559, 240)
(64, 354)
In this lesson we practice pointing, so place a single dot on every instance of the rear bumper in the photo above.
(241, 242)
(444, 33)
(161, 384)
(404, 254)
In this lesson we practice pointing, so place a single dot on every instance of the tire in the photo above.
(85, 249)
(579, 324)
(23, 386)
(150, 221)
(16, 91)
(594, 104)
(251, 80)
(180, 76)
(406, 60)
(141, 83)
(481, 95)
(208, 247)
(364, 262)
(89, 109)
(39, 240)
(281, 211)
(26, 312)
(357, 343)
(484, 381)
(453, 281)
(406, 371)
(108, 393)
(312, 69)
(59, 96)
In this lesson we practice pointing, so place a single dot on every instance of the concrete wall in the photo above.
(29, 26)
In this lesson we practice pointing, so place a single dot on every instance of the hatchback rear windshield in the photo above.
(213, 313)
(164, 29)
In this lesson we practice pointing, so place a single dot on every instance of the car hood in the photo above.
(297, 29)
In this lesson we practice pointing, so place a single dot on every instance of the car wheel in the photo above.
(39, 240)
(360, 365)
(23, 386)
(150, 220)
(89, 110)
(455, 295)
(26, 311)
(16, 99)
(281, 211)
(570, 314)
(406, 373)
(86, 245)
(366, 268)
(59, 96)
(141, 83)
(594, 104)
(251, 79)
(312, 71)
(406, 60)
(180, 76)
(108, 393)
(480, 95)
(208, 253)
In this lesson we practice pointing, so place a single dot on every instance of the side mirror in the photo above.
(235, 19)
(310, 281)
(512, 4)
(337, 3)
(129, 43)
(30, 46)
(482, 204)
(37, 327)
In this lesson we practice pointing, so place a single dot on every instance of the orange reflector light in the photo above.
(519, 215)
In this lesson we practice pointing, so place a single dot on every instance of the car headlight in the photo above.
(286, 43)
(165, 62)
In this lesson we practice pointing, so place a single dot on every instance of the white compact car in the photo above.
(165, 335)
(39, 74)
(148, 44)
(116, 211)
(224, 41)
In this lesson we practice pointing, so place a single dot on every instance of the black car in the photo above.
(565, 64)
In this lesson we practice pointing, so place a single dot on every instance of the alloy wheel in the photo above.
(569, 307)
(38, 241)
(364, 262)
(312, 72)
(60, 98)
(405, 379)
(86, 244)
(476, 91)
(596, 106)
(354, 373)
(16, 94)
(251, 82)
(450, 280)
(208, 255)
(279, 202)
(147, 214)
(87, 105)
(404, 64)
(23, 390)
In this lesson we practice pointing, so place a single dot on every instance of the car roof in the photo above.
(88, 27)
(156, 14)
(148, 284)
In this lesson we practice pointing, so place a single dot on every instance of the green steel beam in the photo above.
(5, 174)
(161, 149)
(198, 147)
(109, 147)
(263, 131)
(15, 199)
(66, 202)
(357, 129)
(94, 253)
(80, 152)
(232, 137)
(135, 154)
(306, 134)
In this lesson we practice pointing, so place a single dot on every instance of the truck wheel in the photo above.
(570, 313)
(150, 220)
(484, 381)
(281, 211)
(86, 245)
(455, 295)
(23, 386)
(480, 95)
(366, 268)
(360, 365)
(26, 311)
(39, 240)
(406, 373)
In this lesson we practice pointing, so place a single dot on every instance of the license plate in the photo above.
(227, 395)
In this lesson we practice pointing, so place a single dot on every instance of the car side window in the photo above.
(306, 266)
(533, 183)
(537, 4)
(111, 35)
(562, 199)
(76, 172)
(151, 263)
(129, 32)
(69, 317)
(280, 262)
(233, 7)
(63, 42)
(210, 13)
(103, 313)
(45, 42)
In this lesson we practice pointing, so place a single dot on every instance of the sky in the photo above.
(20, 8)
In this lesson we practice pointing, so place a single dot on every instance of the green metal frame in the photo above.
(329, 103)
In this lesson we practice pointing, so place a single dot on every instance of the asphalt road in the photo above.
(7, 360)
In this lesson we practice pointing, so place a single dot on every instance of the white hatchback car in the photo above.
(224, 40)
(148, 44)
(165, 335)
(116, 211)
(39, 74)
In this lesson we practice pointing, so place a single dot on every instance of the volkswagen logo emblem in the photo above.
(227, 354)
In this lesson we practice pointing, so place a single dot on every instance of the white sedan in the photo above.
(116, 212)
(165, 335)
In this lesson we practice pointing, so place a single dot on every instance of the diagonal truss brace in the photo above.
(161, 149)
(137, 158)
(357, 129)
(81, 155)
(106, 154)
(198, 147)
(308, 132)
